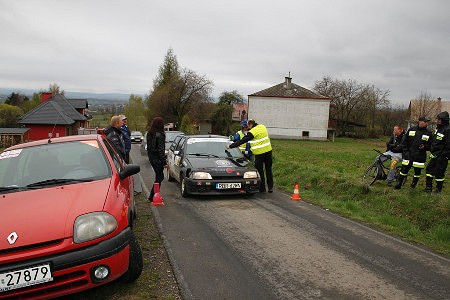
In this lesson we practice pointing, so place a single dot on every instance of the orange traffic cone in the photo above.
(296, 194)
(157, 198)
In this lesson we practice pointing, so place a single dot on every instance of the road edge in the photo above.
(182, 284)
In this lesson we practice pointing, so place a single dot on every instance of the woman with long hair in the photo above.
(156, 140)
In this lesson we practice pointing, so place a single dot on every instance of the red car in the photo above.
(66, 217)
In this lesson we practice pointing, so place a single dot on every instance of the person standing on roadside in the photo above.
(260, 145)
(114, 135)
(126, 134)
(415, 144)
(439, 153)
(156, 140)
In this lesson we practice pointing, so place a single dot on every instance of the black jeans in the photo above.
(264, 161)
(158, 167)
(437, 167)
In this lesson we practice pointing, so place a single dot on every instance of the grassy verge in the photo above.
(157, 280)
(330, 175)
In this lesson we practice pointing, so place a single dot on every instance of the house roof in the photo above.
(13, 130)
(49, 112)
(79, 103)
(288, 89)
(57, 110)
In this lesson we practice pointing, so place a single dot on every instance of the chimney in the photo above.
(45, 97)
(288, 81)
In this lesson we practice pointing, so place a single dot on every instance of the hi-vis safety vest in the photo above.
(261, 141)
(241, 135)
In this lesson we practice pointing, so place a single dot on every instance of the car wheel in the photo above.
(135, 262)
(184, 192)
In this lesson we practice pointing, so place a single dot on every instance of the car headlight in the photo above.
(201, 175)
(92, 226)
(251, 174)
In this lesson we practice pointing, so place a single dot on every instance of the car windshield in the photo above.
(211, 147)
(136, 133)
(58, 163)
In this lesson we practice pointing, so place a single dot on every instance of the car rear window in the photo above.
(69, 160)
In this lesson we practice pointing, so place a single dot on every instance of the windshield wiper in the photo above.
(9, 188)
(205, 154)
(234, 159)
(56, 181)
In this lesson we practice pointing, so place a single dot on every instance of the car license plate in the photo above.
(221, 186)
(25, 277)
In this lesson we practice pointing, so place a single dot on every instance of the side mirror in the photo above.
(129, 170)
(231, 138)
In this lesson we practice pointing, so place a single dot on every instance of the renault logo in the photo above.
(12, 238)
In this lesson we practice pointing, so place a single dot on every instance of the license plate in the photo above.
(25, 277)
(221, 186)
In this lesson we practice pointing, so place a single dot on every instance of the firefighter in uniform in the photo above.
(259, 140)
(415, 144)
(439, 153)
(245, 148)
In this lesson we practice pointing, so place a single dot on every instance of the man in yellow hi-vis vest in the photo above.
(259, 140)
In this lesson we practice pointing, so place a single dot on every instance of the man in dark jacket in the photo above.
(415, 144)
(114, 136)
(439, 153)
(126, 134)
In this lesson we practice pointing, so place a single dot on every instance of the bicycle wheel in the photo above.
(370, 176)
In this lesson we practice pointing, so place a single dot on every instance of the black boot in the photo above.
(439, 185)
(429, 184)
(400, 180)
(414, 182)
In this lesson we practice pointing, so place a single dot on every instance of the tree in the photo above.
(29, 105)
(55, 90)
(186, 125)
(221, 119)
(232, 97)
(9, 115)
(16, 99)
(423, 105)
(135, 112)
(175, 93)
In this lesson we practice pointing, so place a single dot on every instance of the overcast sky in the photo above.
(117, 46)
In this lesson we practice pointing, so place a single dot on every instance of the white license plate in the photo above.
(222, 186)
(25, 277)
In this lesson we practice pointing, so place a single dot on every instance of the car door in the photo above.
(171, 155)
(178, 158)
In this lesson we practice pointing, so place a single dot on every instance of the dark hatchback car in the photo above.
(203, 165)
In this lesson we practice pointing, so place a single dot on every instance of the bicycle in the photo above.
(378, 171)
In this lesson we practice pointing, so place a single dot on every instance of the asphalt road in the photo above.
(269, 247)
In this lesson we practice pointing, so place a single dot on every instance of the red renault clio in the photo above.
(66, 218)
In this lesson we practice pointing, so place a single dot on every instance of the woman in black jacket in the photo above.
(156, 140)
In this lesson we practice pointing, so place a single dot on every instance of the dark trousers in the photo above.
(405, 169)
(127, 156)
(436, 168)
(264, 161)
(158, 168)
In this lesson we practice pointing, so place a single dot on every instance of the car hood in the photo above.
(48, 214)
(218, 165)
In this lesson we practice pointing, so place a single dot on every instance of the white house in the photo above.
(290, 111)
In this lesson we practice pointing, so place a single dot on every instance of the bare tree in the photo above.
(55, 90)
(423, 105)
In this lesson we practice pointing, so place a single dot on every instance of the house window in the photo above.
(305, 134)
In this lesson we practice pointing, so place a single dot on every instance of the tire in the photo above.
(183, 190)
(370, 176)
(135, 262)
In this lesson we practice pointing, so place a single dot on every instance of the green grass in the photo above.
(156, 280)
(101, 120)
(330, 173)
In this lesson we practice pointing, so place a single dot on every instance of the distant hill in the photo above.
(100, 97)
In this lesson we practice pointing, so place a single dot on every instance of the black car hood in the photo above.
(214, 164)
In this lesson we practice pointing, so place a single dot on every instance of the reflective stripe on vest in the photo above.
(418, 165)
(241, 135)
(261, 141)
